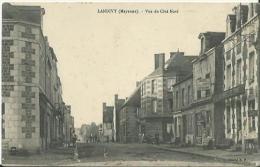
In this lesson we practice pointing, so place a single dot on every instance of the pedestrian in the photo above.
(142, 138)
(157, 138)
(74, 138)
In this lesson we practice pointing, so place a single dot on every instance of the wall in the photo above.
(20, 77)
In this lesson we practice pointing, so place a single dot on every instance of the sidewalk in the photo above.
(50, 157)
(240, 157)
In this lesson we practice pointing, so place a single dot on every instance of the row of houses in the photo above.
(34, 115)
(194, 99)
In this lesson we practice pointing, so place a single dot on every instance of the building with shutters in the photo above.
(156, 94)
(241, 75)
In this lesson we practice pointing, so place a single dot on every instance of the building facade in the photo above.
(128, 122)
(183, 128)
(241, 73)
(207, 84)
(116, 118)
(32, 105)
(108, 135)
(156, 96)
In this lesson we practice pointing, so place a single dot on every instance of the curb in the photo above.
(207, 156)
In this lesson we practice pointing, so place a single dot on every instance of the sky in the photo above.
(100, 55)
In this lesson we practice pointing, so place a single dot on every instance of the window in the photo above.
(182, 96)
(170, 104)
(199, 94)
(143, 89)
(170, 82)
(251, 108)
(154, 103)
(207, 76)
(154, 86)
(228, 120)
(238, 72)
(177, 99)
(228, 78)
(207, 93)
(3, 121)
(253, 123)
(238, 48)
(189, 94)
(228, 55)
(251, 39)
(251, 67)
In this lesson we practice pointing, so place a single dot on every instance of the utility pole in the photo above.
(257, 47)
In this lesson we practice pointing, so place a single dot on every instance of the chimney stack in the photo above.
(116, 97)
(159, 60)
(104, 106)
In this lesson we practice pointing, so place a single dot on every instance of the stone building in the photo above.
(156, 96)
(117, 105)
(129, 114)
(108, 135)
(32, 105)
(207, 84)
(183, 129)
(241, 75)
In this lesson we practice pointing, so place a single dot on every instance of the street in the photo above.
(120, 155)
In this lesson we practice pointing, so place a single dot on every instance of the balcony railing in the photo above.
(238, 90)
(235, 91)
(142, 114)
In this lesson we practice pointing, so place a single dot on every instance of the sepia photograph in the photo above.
(130, 84)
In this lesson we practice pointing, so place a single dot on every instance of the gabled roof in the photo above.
(134, 99)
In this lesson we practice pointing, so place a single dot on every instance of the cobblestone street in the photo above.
(118, 155)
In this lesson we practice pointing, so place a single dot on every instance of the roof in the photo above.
(31, 14)
(173, 64)
(212, 34)
(184, 79)
(134, 99)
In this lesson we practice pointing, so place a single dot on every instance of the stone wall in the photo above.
(19, 85)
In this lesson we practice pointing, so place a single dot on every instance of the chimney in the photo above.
(116, 97)
(241, 12)
(250, 10)
(159, 60)
(104, 107)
